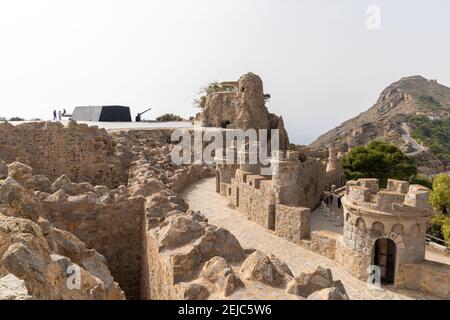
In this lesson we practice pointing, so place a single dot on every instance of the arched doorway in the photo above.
(385, 254)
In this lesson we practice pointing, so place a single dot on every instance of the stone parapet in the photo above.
(399, 197)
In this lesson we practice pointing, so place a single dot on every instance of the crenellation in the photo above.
(399, 197)
(359, 194)
(387, 200)
(398, 186)
(371, 184)
(376, 220)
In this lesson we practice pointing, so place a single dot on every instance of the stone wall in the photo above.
(84, 154)
(108, 221)
(429, 277)
(311, 182)
(323, 243)
(253, 198)
(36, 256)
(355, 261)
(292, 223)
(259, 200)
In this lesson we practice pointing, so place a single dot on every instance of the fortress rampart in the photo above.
(83, 153)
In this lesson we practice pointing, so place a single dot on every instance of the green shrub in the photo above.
(210, 88)
(215, 86)
(17, 119)
(446, 229)
(433, 134)
(422, 180)
(440, 227)
(440, 195)
(428, 102)
(169, 117)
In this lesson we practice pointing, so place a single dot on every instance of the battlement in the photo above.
(282, 155)
(285, 168)
(399, 196)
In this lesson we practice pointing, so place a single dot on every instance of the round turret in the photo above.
(385, 228)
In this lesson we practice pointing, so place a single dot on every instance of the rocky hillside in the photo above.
(399, 116)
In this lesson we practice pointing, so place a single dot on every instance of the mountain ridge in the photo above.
(389, 120)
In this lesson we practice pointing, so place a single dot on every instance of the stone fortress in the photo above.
(386, 228)
(118, 225)
(107, 206)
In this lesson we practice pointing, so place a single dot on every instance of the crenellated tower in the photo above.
(384, 228)
(285, 169)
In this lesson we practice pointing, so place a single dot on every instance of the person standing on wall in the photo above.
(59, 115)
(54, 115)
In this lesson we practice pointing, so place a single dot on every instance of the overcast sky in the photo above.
(317, 58)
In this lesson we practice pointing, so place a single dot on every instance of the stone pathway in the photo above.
(202, 196)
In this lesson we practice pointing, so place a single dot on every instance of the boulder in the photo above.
(193, 291)
(219, 272)
(307, 283)
(333, 293)
(19, 202)
(197, 215)
(12, 288)
(80, 284)
(21, 173)
(268, 270)
(216, 242)
(178, 229)
(62, 180)
(219, 242)
(42, 183)
(158, 205)
(32, 253)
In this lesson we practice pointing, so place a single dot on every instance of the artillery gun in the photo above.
(138, 116)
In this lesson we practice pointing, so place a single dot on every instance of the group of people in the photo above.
(328, 199)
(58, 115)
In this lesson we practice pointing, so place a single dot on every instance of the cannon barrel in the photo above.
(144, 111)
(138, 116)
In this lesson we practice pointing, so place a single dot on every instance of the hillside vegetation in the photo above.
(434, 134)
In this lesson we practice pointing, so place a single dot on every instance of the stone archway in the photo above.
(385, 256)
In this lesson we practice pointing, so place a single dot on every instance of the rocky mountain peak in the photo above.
(388, 118)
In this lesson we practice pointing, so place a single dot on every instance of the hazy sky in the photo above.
(317, 58)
